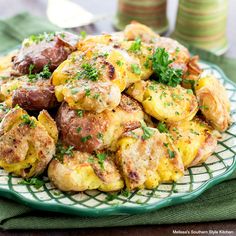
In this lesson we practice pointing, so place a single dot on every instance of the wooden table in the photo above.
(38, 7)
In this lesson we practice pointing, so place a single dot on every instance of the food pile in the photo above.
(113, 111)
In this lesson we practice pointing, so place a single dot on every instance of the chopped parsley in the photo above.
(91, 159)
(87, 92)
(78, 129)
(100, 136)
(80, 113)
(171, 153)
(135, 69)
(165, 74)
(111, 196)
(101, 158)
(162, 127)
(147, 132)
(194, 132)
(189, 91)
(85, 139)
(88, 72)
(61, 151)
(119, 63)
(37, 183)
(41, 37)
(27, 120)
(83, 34)
(204, 107)
(125, 192)
(136, 45)
(44, 74)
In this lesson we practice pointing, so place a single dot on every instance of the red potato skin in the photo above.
(51, 53)
(35, 98)
(91, 124)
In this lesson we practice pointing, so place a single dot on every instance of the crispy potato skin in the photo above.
(79, 173)
(96, 131)
(51, 52)
(24, 150)
(136, 30)
(145, 163)
(165, 103)
(214, 102)
(194, 139)
(36, 96)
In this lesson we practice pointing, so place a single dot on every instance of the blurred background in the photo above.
(105, 11)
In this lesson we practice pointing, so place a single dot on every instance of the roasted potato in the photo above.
(213, 101)
(82, 171)
(147, 158)
(165, 103)
(90, 131)
(194, 139)
(35, 96)
(45, 49)
(136, 30)
(25, 145)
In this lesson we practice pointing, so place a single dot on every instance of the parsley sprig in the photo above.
(27, 120)
(165, 74)
(61, 151)
(147, 132)
(88, 72)
(136, 45)
(36, 182)
(44, 74)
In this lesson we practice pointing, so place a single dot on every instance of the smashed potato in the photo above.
(90, 131)
(213, 101)
(147, 158)
(194, 139)
(26, 147)
(82, 171)
(165, 103)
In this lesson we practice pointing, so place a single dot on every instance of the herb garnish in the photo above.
(45, 73)
(83, 34)
(27, 120)
(37, 183)
(111, 196)
(80, 113)
(135, 69)
(78, 129)
(136, 45)
(119, 63)
(162, 127)
(85, 138)
(89, 72)
(147, 132)
(101, 158)
(171, 153)
(61, 151)
(165, 74)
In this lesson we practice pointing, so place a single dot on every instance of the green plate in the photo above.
(93, 203)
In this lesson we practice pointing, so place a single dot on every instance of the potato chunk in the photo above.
(83, 171)
(165, 103)
(213, 101)
(147, 158)
(25, 145)
(194, 139)
(90, 131)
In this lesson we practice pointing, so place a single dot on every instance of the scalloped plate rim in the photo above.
(126, 210)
